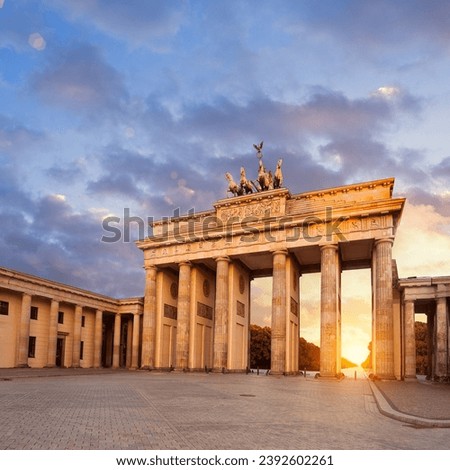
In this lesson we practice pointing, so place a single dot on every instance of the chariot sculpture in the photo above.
(265, 179)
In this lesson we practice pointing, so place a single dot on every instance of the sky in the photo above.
(109, 106)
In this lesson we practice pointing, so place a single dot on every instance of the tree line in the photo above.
(308, 353)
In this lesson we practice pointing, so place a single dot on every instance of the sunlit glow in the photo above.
(185, 189)
(36, 41)
(356, 352)
(387, 92)
(59, 197)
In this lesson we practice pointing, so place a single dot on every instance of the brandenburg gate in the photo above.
(199, 267)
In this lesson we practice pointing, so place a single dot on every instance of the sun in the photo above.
(355, 352)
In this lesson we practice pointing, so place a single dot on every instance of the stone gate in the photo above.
(199, 267)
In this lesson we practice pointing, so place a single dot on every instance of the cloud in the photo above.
(147, 23)
(151, 181)
(65, 174)
(15, 138)
(78, 78)
(322, 114)
(368, 27)
(442, 170)
(13, 200)
(47, 237)
(422, 245)
(326, 140)
(16, 27)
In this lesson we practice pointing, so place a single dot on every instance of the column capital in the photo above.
(222, 258)
(378, 241)
(185, 263)
(281, 251)
(333, 246)
(151, 267)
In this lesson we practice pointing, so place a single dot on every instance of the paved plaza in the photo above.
(152, 410)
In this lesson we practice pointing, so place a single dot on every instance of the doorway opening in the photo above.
(423, 337)
(356, 317)
(260, 324)
(60, 351)
(309, 342)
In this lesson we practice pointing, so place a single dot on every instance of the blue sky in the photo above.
(144, 104)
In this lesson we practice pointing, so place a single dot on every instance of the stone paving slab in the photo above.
(417, 398)
(150, 410)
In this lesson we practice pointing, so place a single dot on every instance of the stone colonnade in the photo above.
(47, 324)
(75, 353)
(429, 296)
(285, 314)
(196, 318)
(269, 233)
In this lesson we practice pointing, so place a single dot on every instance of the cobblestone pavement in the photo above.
(419, 398)
(150, 410)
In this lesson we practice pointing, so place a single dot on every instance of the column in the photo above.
(221, 313)
(384, 323)
(116, 342)
(135, 342)
(184, 308)
(52, 334)
(430, 342)
(441, 368)
(24, 331)
(410, 340)
(129, 342)
(98, 333)
(329, 311)
(149, 319)
(278, 342)
(76, 336)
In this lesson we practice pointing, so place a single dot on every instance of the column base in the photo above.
(385, 377)
(23, 366)
(206, 370)
(331, 377)
(50, 366)
(410, 378)
(278, 373)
